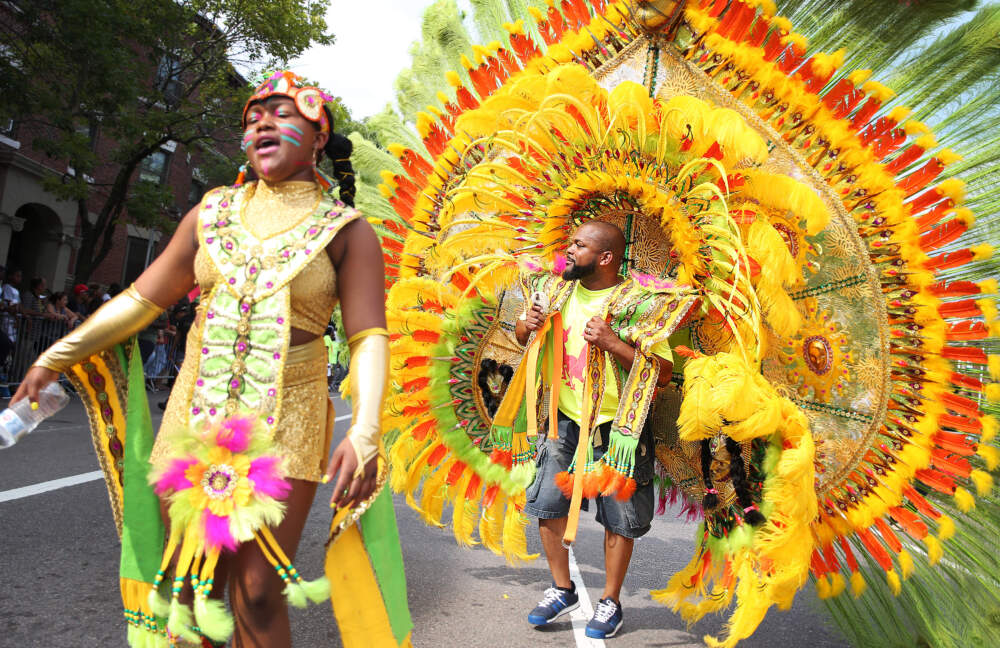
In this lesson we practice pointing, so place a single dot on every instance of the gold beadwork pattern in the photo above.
(272, 209)
(302, 434)
(314, 289)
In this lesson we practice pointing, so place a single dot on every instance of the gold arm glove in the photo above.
(120, 318)
(369, 380)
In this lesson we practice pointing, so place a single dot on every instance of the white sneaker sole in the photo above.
(565, 610)
(610, 634)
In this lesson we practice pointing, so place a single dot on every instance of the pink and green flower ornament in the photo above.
(224, 484)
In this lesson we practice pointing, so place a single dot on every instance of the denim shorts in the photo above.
(630, 519)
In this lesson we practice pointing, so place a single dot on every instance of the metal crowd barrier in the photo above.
(26, 337)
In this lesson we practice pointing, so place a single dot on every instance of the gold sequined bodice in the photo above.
(270, 210)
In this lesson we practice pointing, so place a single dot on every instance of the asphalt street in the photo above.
(59, 569)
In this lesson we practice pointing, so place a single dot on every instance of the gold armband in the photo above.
(369, 380)
(119, 319)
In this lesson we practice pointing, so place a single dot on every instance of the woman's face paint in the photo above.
(290, 133)
(270, 124)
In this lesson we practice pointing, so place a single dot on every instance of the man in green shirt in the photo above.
(592, 301)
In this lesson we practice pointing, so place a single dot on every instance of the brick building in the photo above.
(40, 234)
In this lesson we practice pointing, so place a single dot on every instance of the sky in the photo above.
(373, 41)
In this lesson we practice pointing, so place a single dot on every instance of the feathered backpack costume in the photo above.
(836, 420)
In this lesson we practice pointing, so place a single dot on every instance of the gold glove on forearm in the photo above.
(369, 379)
(114, 322)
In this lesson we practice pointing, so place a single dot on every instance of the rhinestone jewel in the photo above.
(219, 481)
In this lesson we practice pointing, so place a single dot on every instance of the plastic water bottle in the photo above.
(19, 419)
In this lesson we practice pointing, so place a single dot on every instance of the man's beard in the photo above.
(577, 271)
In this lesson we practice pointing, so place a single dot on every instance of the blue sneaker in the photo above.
(556, 603)
(607, 620)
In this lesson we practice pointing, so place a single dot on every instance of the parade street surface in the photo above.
(59, 568)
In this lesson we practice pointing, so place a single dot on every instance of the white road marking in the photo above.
(581, 615)
(55, 484)
(44, 487)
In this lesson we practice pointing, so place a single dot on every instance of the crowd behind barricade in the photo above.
(32, 317)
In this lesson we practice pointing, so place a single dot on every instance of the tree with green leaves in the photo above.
(141, 74)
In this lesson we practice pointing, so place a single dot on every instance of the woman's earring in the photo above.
(242, 176)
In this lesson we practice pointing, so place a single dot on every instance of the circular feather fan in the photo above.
(834, 407)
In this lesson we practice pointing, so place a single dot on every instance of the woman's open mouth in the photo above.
(266, 144)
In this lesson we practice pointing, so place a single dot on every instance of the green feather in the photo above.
(180, 621)
(214, 620)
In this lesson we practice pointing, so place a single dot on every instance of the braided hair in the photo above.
(338, 148)
(738, 475)
(711, 499)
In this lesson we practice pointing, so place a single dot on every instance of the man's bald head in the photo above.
(596, 248)
(608, 236)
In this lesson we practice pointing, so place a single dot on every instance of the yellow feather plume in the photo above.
(837, 584)
(491, 524)
(983, 481)
(464, 513)
(934, 550)
(964, 500)
(895, 585)
(434, 495)
(946, 528)
(989, 454)
(858, 584)
(515, 544)
(905, 563)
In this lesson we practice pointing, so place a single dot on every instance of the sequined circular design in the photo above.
(219, 481)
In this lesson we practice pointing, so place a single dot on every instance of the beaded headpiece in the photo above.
(308, 100)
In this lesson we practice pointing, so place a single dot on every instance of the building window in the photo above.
(7, 126)
(196, 191)
(138, 256)
(155, 167)
(168, 79)
(88, 130)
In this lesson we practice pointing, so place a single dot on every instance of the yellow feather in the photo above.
(990, 455)
(434, 495)
(823, 590)
(515, 544)
(946, 527)
(990, 428)
(905, 563)
(894, 584)
(983, 481)
(964, 500)
(464, 513)
(491, 524)
(934, 550)
(858, 584)
(837, 584)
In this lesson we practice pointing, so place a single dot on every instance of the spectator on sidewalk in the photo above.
(58, 308)
(12, 303)
(148, 337)
(35, 302)
(78, 300)
(8, 322)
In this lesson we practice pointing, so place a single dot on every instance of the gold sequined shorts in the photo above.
(305, 423)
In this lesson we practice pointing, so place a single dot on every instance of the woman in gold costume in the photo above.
(272, 258)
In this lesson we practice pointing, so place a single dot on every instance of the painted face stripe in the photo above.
(291, 139)
(292, 127)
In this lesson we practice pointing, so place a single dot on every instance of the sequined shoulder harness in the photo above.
(246, 333)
